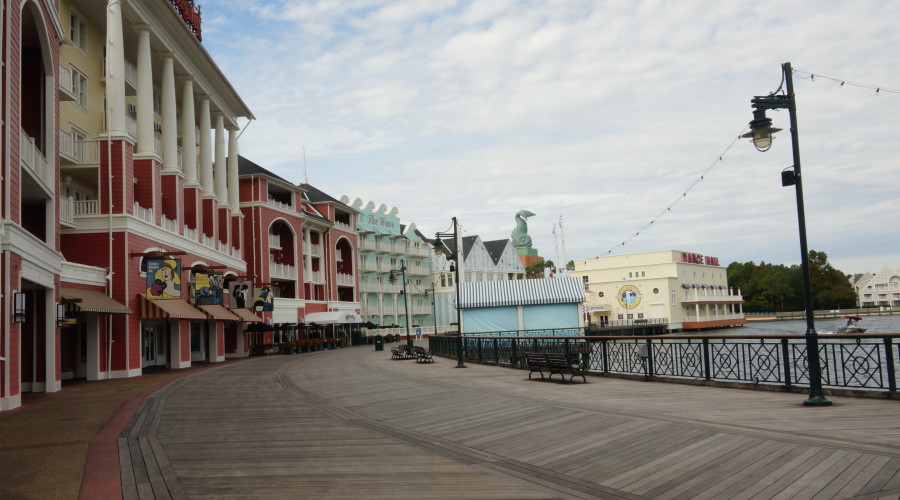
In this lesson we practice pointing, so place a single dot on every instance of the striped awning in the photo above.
(520, 292)
(169, 308)
(219, 312)
(92, 301)
(246, 315)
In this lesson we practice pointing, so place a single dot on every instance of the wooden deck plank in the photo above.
(352, 424)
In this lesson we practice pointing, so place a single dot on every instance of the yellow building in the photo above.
(687, 291)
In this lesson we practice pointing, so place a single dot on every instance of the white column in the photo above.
(206, 168)
(144, 94)
(188, 134)
(233, 199)
(221, 184)
(115, 70)
(169, 116)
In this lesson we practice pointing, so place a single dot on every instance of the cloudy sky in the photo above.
(609, 114)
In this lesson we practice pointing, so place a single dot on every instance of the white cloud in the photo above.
(602, 112)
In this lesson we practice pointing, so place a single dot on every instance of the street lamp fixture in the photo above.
(761, 131)
(430, 291)
(393, 279)
(440, 249)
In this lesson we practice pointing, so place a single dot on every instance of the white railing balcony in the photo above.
(417, 270)
(131, 125)
(85, 208)
(145, 214)
(399, 247)
(66, 85)
(346, 280)
(314, 277)
(283, 206)
(367, 244)
(180, 160)
(31, 157)
(385, 267)
(207, 241)
(190, 234)
(170, 225)
(130, 74)
(368, 265)
(313, 250)
(285, 271)
(419, 250)
(274, 241)
(710, 295)
(237, 253)
(420, 309)
(342, 226)
(67, 210)
(77, 152)
(157, 144)
(384, 246)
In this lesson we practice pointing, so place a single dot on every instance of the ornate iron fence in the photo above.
(859, 362)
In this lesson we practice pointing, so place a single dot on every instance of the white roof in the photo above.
(520, 292)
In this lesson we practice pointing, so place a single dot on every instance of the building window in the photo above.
(621, 316)
(78, 31)
(640, 315)
(629, 274)
(599, 294)
(643, 274)
(584, 281)
(656, 290)
(80, 87)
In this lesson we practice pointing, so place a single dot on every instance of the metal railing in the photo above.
(858, 362)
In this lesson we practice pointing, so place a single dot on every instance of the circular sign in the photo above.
(629, 296)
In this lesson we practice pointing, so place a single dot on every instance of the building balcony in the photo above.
(144, 214)
(281, 271)
(417, 270)
(343, 227)
(32, 159)
(368, 265)
(346, 280)
(76, 152)
(287, 207)
(313, 250)
(367, 244)
(66, 85)
(317, 277)
(384, 246)
(274, 242)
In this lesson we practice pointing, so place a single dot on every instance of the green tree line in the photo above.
(776, 287)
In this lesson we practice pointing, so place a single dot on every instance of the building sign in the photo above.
(696, 258)
(262, 299)
(629, 296)
(379, 223)
(163, 279)
(239, 292)
(207, 288)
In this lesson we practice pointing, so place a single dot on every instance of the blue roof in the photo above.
(520, 292)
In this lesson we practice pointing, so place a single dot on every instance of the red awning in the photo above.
(219, 312)
(246, 315)
(169, 308)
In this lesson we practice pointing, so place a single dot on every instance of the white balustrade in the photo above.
(170, 225)
(274, 241)
(67, 209)
(190, 234)
(145, 214)
(277, 270)
(86, 207)
(342, 226)
(345, 279)
(33, 159)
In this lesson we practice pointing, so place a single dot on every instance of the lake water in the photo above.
(872, 324)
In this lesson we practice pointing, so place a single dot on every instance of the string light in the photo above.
(720, 159)
(877, 88)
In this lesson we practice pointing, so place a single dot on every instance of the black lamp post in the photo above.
(430, 291)
(761, 131)
(393, 279)
(455, 256)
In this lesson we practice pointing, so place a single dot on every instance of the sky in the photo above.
(620, 118)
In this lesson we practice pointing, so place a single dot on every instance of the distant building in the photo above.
(881, 289)
(688, 291)
(495, 260)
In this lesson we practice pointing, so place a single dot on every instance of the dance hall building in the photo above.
(686, 291)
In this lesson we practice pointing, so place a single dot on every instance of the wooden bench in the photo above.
(423, 355)
(553, 363)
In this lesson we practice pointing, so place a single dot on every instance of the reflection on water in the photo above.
(872, 324)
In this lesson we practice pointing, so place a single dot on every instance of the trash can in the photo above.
(379, 343)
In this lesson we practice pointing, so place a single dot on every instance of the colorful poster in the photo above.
(262, 299)
(240, 294)
(163, 279)
(207, 288)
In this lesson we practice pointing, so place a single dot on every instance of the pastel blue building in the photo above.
(532, 307)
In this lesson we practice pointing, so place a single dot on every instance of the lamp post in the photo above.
(393, 279)
(761, 131)
(454, 256)
(430, 291)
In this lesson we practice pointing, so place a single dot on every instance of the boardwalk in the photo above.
(353, 423)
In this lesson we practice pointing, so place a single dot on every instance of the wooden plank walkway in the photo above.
(353, 423)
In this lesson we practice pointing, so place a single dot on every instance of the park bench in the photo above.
(553, 363)
(403, 351)
(423, 355)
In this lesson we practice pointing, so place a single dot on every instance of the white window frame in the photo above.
(80, 87)
(78, 30)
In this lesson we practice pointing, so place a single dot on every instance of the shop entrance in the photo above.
(153, 342)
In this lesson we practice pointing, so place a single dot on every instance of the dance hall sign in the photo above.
(696, 258)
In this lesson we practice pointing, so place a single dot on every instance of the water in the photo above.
(872, 324)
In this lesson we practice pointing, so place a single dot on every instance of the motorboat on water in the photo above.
(851, 326)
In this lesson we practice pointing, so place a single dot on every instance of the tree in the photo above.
(831, 288)
(536, 270)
